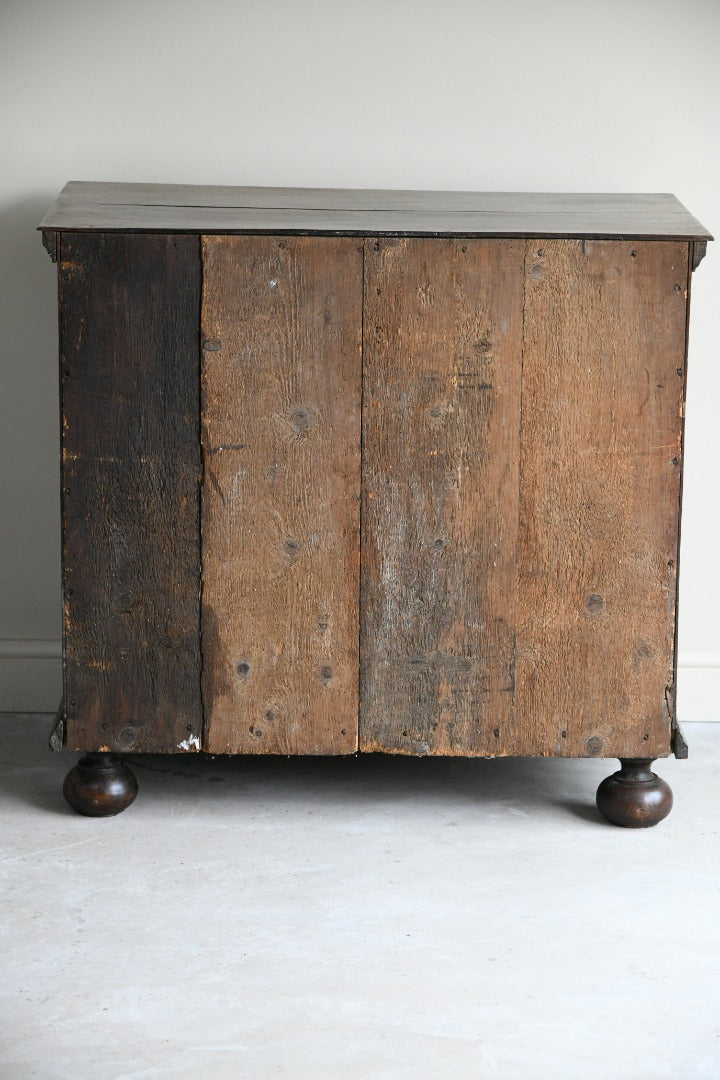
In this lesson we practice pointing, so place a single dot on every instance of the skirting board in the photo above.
(30, 675)
(698, 680)
(31, 680)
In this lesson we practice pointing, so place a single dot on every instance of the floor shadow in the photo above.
(586, 811)
(32, 774)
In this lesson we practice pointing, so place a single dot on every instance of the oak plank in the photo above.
(281, 327)
(131, 462)
(603, 376)
(441, 421)
(222, 209)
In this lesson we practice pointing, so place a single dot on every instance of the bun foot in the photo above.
(100, 785)
(635, 797)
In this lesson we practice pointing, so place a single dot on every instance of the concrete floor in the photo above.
(360, 919)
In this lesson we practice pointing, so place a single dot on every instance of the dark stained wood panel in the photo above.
(603, 375)
(282, 334)
(441, 427)
(189, 208)
(130, 310)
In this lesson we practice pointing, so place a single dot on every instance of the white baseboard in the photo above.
(698, 687)
(31, 680)
(30, 675)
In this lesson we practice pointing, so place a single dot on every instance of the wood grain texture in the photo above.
(441, 422)
(130, 398)
(281, 329)
(221, 209)
(600, 485)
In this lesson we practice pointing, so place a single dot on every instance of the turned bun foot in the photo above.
(635, 797)
(100, 785)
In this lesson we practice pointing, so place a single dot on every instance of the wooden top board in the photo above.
(106, 207)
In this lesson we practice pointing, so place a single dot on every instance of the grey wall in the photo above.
(559, 95)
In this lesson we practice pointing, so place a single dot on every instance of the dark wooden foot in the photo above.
(100, 785)
(634, 797)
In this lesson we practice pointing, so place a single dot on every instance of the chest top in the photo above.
(112, 207)
(371, 471)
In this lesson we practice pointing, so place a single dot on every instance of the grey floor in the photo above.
(369, 919)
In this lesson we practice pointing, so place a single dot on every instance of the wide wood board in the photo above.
(131, 463)
(281, 333)
(441, 430)
(603, 376)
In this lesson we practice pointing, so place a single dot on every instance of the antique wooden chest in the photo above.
(370, 471)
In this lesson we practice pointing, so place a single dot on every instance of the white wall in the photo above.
(563, 95)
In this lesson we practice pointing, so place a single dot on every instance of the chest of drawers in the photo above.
(370, 471)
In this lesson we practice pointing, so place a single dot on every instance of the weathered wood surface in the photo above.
(281, 328)
(130, 399)
(522, 445)
(196, 208)
(441, 424)
(601, 452)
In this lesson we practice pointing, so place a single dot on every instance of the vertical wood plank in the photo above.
(130, 308)
(281, 325)
(441, 420)
(600, 487)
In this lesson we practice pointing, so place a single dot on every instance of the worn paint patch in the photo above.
(191, 743)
